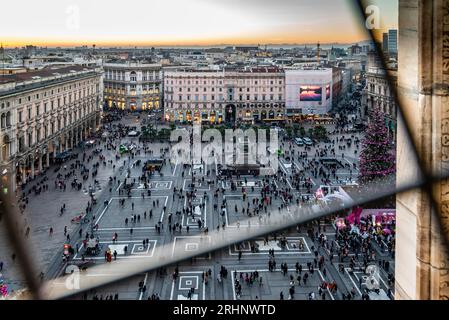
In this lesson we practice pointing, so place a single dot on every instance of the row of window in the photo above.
(6, 120)
(204, 97)
(121, 76)
(37, 135)
(212, 82)
(84, 88)
(212, 105)
(255, 89)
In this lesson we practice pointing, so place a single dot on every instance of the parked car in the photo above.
(307, 141)
(299, 142)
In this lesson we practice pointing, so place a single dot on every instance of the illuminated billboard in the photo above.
(328, 92)
(310, 93)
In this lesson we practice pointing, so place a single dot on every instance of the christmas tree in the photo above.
(377, 157)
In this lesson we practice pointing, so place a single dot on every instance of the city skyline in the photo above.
(197, 23)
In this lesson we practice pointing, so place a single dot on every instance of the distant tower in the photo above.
(2, 52)
(318, 53)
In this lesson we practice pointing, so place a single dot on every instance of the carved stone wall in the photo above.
(422, 264)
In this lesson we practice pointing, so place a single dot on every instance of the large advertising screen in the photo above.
(310, 93)
(328, 92)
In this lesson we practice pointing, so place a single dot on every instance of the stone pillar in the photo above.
(47, 159)
(422, 264)
(14, 177)
(40, 163)
(33, 173)
(23, 168)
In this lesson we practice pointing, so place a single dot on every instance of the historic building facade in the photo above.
(377, 92)
(45, 113)
(132, 86)
(247, 95)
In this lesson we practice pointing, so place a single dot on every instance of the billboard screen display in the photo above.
(310, 93)
(328, 92)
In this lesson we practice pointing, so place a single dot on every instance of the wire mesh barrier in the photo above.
(76, 282)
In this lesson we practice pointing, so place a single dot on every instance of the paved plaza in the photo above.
(136, 223)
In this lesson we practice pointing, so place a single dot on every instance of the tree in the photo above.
(289, 132)
(377, 157)
(310, 132)
(320, 132)
(295, 129)
(302, 131)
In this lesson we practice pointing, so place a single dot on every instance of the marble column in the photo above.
(40, 163)
(24, 177)
(33, 172)
(47, 159)
(422, 264)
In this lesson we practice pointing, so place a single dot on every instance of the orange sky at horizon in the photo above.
(193, 23)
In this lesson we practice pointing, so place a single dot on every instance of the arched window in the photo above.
(5, 148)
(8, 118)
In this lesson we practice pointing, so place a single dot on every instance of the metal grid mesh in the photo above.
(291, 216)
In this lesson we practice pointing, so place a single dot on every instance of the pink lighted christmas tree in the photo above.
(377, 157)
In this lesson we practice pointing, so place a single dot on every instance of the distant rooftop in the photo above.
(13, 83)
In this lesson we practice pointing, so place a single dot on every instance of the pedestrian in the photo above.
(1, 265)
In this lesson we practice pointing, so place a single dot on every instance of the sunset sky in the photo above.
(184, 22)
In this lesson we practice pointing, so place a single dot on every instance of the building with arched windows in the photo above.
(377, 92)
(132, 86)
(44, 113)
(245, 95)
